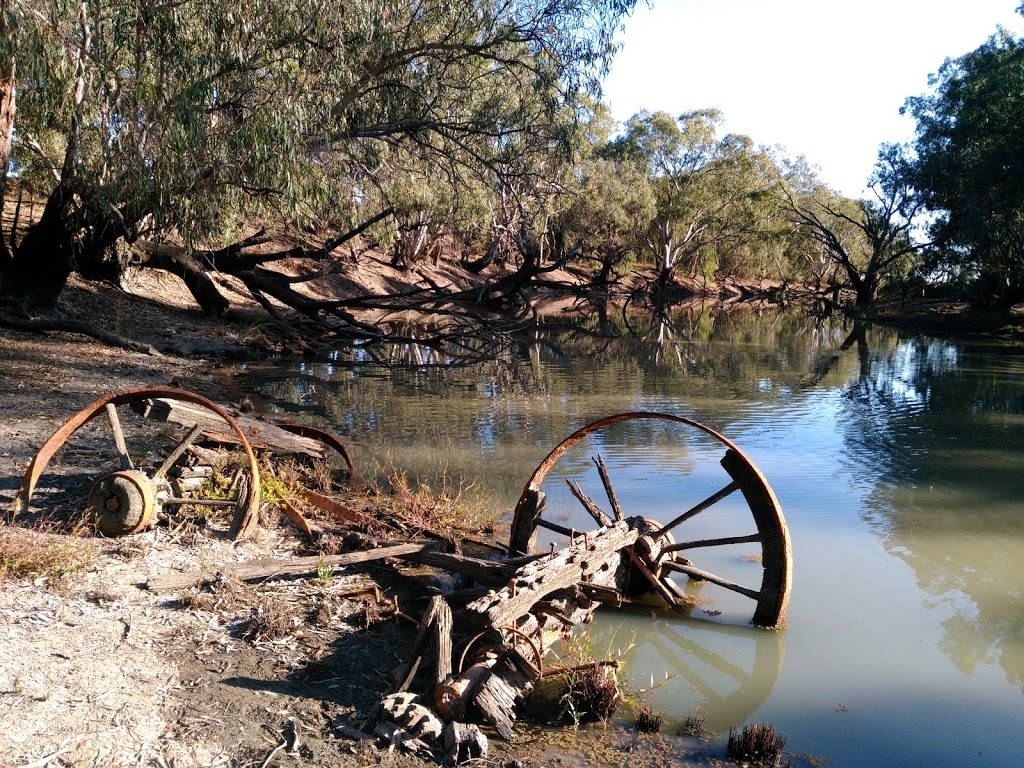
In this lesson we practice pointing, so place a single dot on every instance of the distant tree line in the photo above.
(153, 131)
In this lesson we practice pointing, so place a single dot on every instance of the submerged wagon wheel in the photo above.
(665, 548)
(127, 499)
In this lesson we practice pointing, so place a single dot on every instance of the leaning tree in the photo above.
(869, 241)
(141, 121)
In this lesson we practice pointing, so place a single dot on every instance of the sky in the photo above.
(820, 78)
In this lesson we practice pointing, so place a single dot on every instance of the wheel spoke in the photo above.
(646, 572)
(752, 538)
(697, 573)
(612, 498)
(599, 515)
(696, 510)
(179, 500)
(571, 533)
(115, 427)
(179, 449)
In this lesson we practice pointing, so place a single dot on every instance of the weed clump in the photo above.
(648, 720)
(593, 692)
(267, 621)
(757, 744)
(693, 724)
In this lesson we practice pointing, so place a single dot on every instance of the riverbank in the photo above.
(108, 672)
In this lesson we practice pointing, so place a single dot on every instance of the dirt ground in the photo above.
(100, 672)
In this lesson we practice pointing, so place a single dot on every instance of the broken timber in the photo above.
(261, 434)
(542, 601)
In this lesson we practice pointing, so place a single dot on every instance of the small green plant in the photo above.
(324, 572)
(757, 744)
(593, 690)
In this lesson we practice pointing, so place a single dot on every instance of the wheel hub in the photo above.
(123, 502)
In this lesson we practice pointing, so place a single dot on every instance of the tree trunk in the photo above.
(39, 269)
(8, 106)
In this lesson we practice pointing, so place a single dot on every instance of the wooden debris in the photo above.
(261, 434)
(464, 743)
(257, 570)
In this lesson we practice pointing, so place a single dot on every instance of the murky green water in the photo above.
(897, 460)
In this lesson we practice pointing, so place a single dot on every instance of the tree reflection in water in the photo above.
(943, 426)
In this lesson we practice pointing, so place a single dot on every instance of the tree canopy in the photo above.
(149, 119)
(970, 167)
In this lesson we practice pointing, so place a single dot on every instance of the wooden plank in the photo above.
(261, 434)
(257, 570)
(594, 558)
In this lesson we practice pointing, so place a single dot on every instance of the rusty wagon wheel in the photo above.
(128, 499)
(663, 548)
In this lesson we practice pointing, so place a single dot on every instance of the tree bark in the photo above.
(8, 107)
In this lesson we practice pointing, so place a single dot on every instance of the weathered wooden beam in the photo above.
(257, 570)
(261, 434)
(595, 558)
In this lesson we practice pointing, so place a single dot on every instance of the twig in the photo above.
(273, 752)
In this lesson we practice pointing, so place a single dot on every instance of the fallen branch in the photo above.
(257, 570)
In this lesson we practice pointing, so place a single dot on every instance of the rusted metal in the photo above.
(304, 430)
(123, 502)
(246, 509)
(771, 598)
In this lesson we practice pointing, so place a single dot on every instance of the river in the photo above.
(896, 458)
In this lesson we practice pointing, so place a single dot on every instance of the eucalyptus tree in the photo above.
(151, 119)
(701, 184)
(870, 241)
(609, 214)
(970, 167)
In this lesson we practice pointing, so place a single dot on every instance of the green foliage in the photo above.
(712, 196)
(177, 116)
(871, 242)
(970, 167)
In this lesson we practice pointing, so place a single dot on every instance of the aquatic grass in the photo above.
(757, 744)
(648, 720)
(693, 723)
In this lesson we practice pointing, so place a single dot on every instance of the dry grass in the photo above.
(27, 553)
(269, 620)
(446, 510)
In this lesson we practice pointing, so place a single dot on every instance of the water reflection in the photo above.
(943, 425)
(727, 671)
(897, 460)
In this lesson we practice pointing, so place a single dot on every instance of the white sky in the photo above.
(822, 78)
